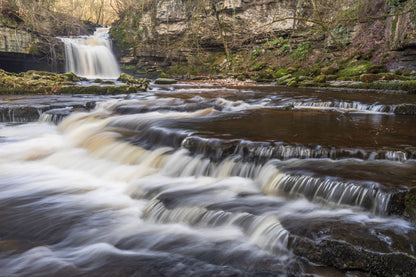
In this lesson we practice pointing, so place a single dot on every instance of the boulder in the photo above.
(165, 81)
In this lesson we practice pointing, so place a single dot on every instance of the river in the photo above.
(206, 180)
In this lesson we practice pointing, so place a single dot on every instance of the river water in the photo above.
(205, 180)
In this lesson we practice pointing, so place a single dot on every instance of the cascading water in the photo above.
(190, 181)
(91, 56)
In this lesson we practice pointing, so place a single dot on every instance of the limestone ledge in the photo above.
(41, 82)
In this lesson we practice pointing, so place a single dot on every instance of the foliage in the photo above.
(284, 49)
(301, 52)
(40, 16)
(275, 42)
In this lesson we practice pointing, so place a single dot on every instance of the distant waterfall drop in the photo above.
(91, 56)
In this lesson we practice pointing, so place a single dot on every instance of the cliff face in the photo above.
(17, 41)
(171, 31)
(22, 50)
(28, 31)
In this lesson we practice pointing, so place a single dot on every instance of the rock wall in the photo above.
(21, 50)
(174, 29)
(171, 31)
(16, 41)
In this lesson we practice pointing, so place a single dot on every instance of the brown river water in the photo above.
(203, 180)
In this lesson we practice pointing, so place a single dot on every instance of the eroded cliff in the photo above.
(227, 35)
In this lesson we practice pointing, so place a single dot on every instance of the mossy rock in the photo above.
(375, 69)
(165, 81)
(259, 66)
(368, 78)
(285, 79)
(98, 81)
(307, 83)
(72, 77)
(131, 81)
(388, 76)
(281, 72)
(329, 70)
(331, 77)
(99, 90)
(293, 82)
(355, 70)
(126, 78)
(31, 73)
(409, 86)
(320, 79)
(241, 77)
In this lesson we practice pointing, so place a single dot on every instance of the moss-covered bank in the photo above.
(40, 82)
(332, 43)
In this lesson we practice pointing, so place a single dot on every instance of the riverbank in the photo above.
(347, 73)
(41, 82)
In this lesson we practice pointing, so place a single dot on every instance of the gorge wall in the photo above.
(28, 35)
(156, 34)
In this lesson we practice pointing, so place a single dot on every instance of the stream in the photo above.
(200, 179)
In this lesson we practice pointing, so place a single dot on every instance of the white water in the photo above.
(91, 56)
(77, 199)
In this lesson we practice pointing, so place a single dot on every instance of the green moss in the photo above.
(71, 76)
(259, 66)
(128, 67)
(301, 52)
(281, 72)
(355, 70)
(308, 83)
(275, 42)
(40, 82)
(101, 90)
(284, 49)
(165, 81)
(367, 78)
(130, 80)
(120, 35)
(285, 80)
(320, 79)
(241, 77)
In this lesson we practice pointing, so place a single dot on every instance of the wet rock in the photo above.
(397, 203)
(140, 84)
(410, 205)
(165, 81)
(406, 109)
(19, 114)
(345, 256)
(98, 81)
(71, 76)
(128, 79)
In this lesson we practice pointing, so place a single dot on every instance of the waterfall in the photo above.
(91, 56)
